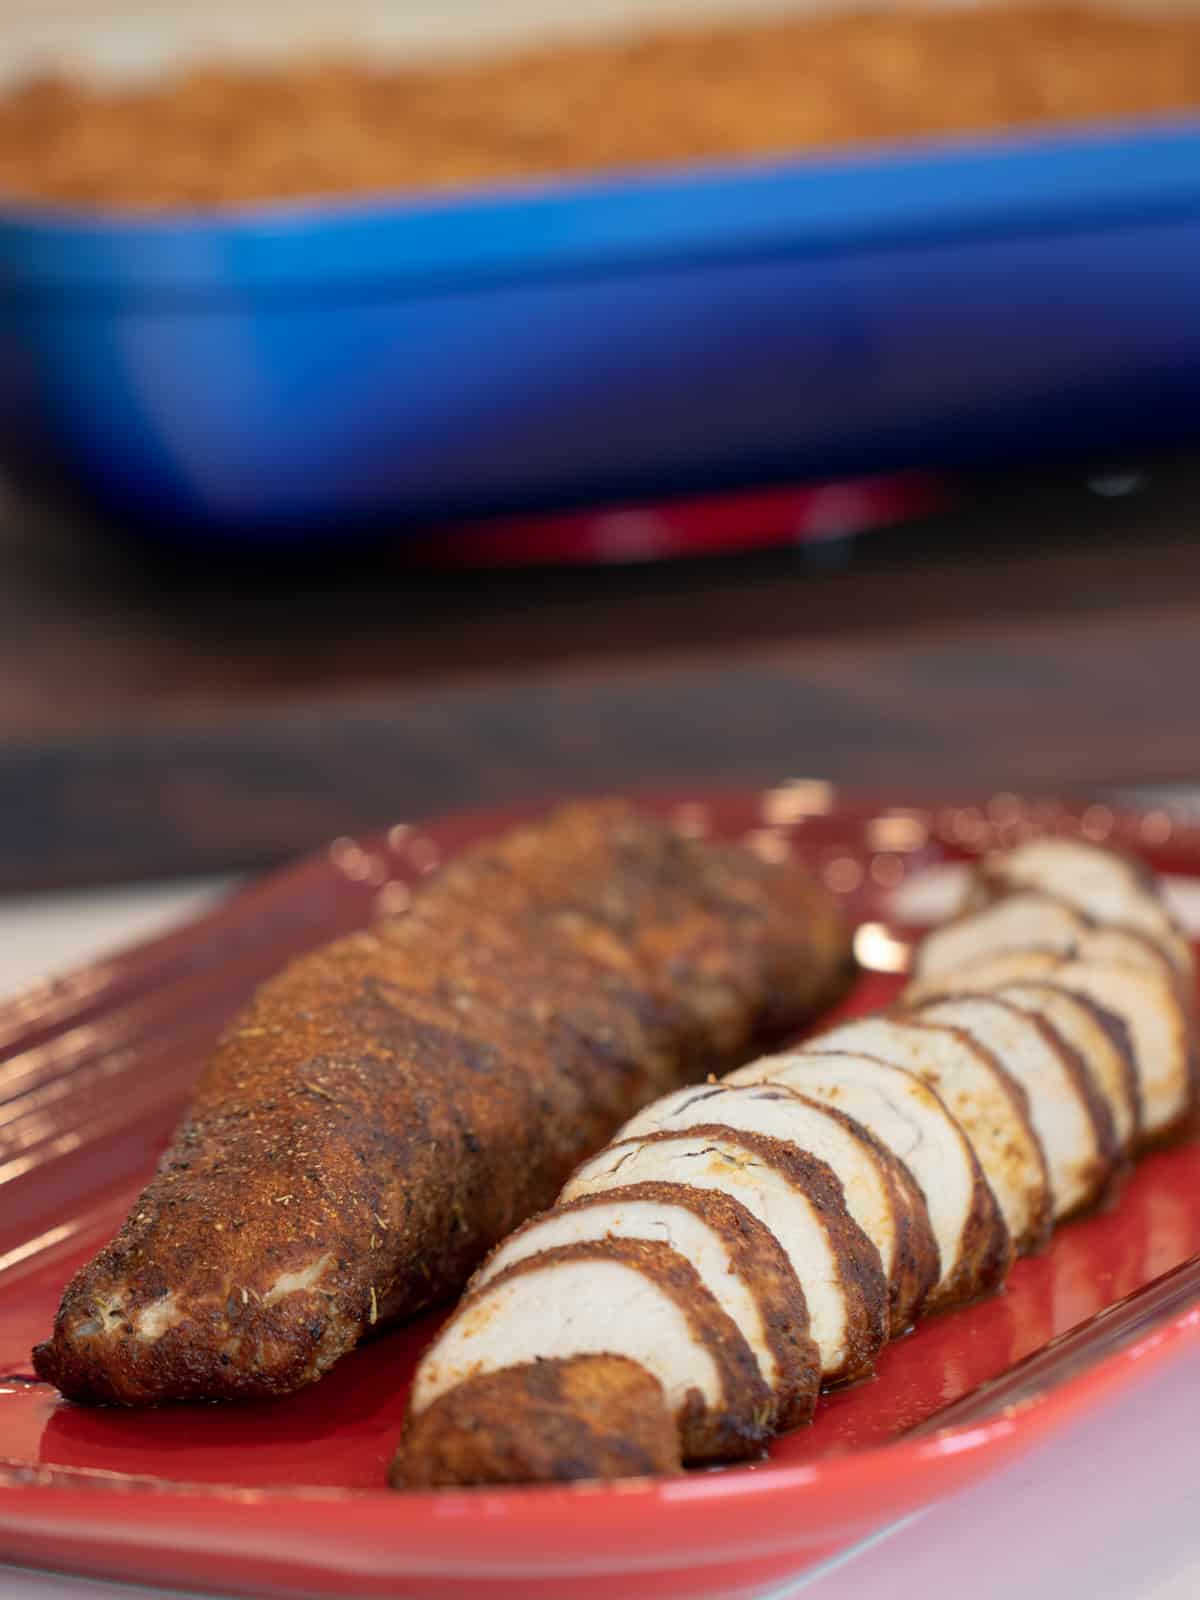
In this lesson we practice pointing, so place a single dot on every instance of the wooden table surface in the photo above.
(173, 714)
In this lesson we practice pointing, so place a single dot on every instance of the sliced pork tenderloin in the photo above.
(1158, 1021)
(1161, 1032)
(1100, 1040)
(1113, 888)
(546, 1421)
(1024, 921)
(623, 1297)
(1069, 1115)
(1012, 966)
(989, 1104)
(906, 1115)
(880, 1194)
(739, 1261)
(798, 1199)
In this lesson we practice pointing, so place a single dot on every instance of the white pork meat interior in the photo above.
(904, 1114)
(698, 1241)
(1059, 1108)
(1012, 966)
(572, 1308)
(1124, 947)
(709, 1162)
(1096, 881)
(1073, 1017)
(979, 1093)
(779, 1113)
(1025, 921)
(1150, 1007)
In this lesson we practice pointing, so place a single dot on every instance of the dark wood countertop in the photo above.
(173, 714)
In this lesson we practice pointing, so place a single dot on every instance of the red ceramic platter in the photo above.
(287, 1497)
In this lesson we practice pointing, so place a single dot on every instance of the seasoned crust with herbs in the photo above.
(546, 1421)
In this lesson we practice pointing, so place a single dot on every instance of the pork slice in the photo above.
(989, 1104)
(1101, 1042)
(1104, 884)
(1011, 966)
(1160, 1031)
(1020, 921)
(542, 1422)
(1070, 1117)
(617, 1297)
(1113, 945)
(1150, 1006)
(906, 1115)
(739, 1262)
(889, 1210)
(798, 1200)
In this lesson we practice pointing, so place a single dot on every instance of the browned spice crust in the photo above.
(987, 1254)
(542, 1422)
(376, 1120)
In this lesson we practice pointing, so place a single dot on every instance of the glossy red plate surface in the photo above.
(285, 1498)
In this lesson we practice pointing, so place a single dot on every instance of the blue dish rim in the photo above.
(1093, 176)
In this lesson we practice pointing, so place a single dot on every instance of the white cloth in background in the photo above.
(43, 936)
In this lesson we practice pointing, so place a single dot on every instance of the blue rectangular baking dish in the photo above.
(288, 371)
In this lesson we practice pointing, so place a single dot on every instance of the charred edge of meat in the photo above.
(554, 1421)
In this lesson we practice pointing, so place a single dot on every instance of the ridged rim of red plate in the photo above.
(371, 1540)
